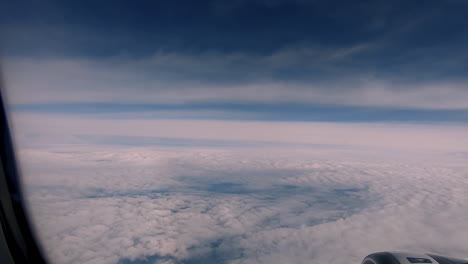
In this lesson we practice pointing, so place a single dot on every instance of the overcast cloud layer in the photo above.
(182, 79)
(243, 205)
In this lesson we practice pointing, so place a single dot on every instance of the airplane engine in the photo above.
(410, 258)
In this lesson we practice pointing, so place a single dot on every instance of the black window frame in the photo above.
(18, 235)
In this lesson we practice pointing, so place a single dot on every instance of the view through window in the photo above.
(262, 131)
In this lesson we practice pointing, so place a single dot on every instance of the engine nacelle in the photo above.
(409, 258)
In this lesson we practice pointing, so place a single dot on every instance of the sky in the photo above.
(272, 59)
(261, 131)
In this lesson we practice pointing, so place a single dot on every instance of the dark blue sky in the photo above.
(105, 28)
(393, 54)
(266, 112)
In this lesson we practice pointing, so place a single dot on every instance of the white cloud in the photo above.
(171, 205)
(37, 129)
(215, 77)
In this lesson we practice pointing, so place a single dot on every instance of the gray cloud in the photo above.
(237, 77)
(391, 54)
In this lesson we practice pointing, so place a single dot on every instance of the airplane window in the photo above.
(262, 131)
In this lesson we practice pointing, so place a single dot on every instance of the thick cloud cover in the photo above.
(243, 205)
(278, 121)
